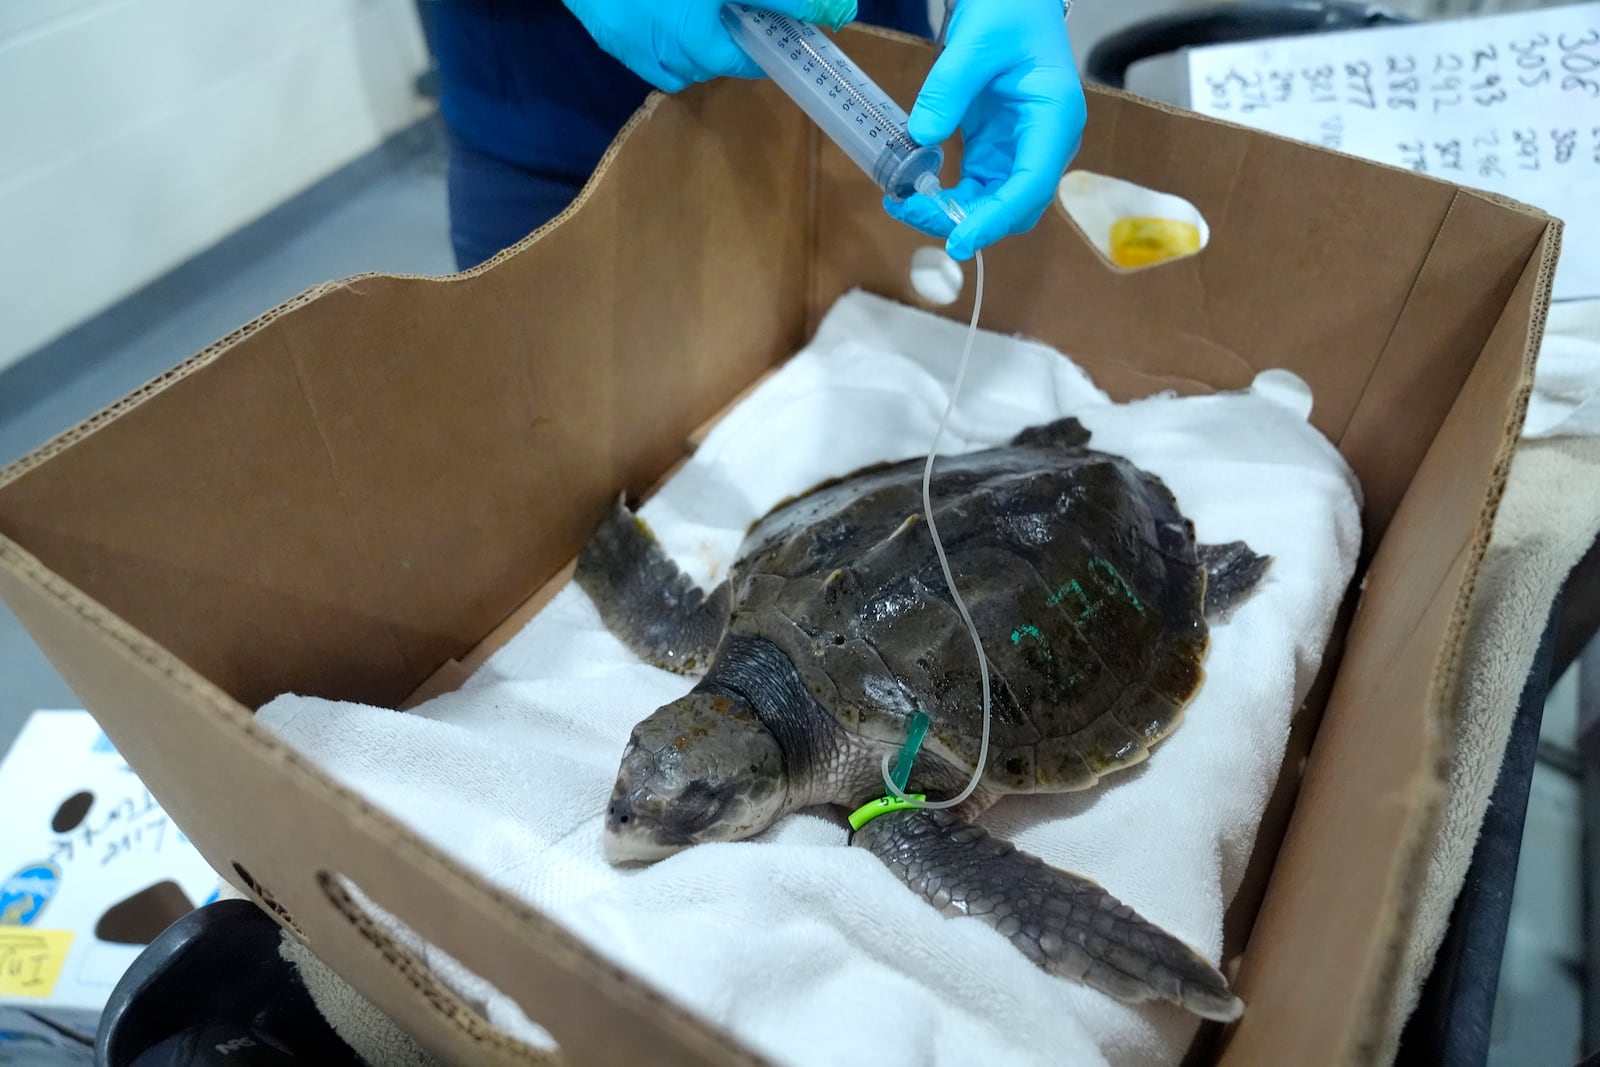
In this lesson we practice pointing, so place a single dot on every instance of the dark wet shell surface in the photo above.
(1077, 567)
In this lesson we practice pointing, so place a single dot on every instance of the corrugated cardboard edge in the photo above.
(211, 352)
(1382, 1043)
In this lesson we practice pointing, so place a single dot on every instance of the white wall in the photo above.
(135, 133)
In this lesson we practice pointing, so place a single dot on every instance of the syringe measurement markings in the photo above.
(831, 70)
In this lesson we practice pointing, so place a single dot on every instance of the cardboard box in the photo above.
(93, 870)
(349, 495)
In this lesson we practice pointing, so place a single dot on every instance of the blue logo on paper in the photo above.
(24, 894)
(102, 743)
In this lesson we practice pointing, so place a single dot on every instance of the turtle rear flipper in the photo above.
(1065, 432)
(646, 600)
(1232, 571)
(1076, 929)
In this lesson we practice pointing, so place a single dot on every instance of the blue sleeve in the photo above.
(523, 81)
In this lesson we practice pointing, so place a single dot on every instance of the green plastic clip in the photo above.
(882, 806)
(908, 751)
(899, 776)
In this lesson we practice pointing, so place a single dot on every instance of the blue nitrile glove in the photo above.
(674, 43)
(1007, 79)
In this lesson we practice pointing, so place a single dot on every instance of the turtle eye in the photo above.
(699, 806)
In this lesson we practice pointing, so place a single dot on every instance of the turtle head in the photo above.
(700, 769)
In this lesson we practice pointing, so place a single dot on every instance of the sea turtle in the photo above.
(835, 626)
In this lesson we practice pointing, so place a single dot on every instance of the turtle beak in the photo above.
(621, 850)
(627, 839)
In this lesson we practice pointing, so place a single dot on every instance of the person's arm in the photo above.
(1006, 78)
(673, 44)
(1008, 81)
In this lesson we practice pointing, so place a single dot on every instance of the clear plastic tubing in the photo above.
(859, 117)
(870, 127)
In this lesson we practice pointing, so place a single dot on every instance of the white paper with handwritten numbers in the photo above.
(1509, 103)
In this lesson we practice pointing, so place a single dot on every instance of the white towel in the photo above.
(1566, 386)
(778, 938)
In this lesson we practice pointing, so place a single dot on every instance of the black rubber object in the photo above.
(212, 989)
(216, 1045)
(1109, 60)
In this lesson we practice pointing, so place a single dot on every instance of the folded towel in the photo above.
(776, 938)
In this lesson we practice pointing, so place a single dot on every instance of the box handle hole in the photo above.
(411, 955)
(263, 896)
(1286, 388)
(1132, 227)
(936, 277)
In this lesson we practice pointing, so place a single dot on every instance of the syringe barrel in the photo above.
(849, 107)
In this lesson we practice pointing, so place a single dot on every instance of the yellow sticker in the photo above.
(30, 960)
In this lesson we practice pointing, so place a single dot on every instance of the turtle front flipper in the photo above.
(645, 600)
(1066, 924)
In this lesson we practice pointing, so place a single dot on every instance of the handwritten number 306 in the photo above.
(1576, 63)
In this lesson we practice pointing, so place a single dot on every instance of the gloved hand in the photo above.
(1007, 79)
(674, 43)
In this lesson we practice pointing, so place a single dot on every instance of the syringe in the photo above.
(861, 118)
